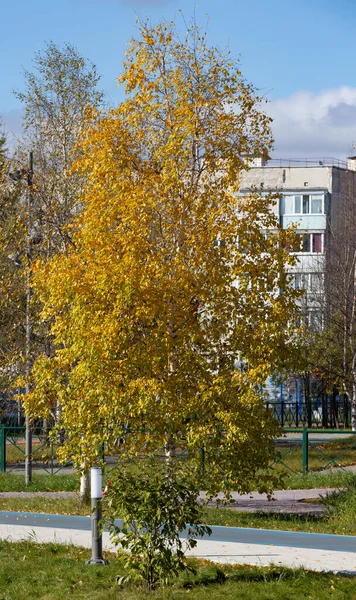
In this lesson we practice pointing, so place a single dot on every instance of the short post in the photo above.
(96, 536)
(305, 451)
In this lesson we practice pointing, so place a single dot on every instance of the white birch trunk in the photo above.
(84, 490)
(170, 447)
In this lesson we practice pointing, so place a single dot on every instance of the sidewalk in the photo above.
(317, 552)
(284, 501)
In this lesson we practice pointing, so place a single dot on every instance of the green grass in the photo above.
(15, 482)
(60, 506)
(233, 518)
(31, 571)
(330, 478)
(43, 482)
(342, 506)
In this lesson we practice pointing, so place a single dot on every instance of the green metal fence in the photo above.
(316, 450)
(13, 454)
(300, 451)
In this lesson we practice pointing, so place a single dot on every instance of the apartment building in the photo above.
(312, 195)
(312, 191)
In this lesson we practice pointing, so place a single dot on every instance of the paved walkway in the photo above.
(232, 545)
(54, 495)
(292, 502)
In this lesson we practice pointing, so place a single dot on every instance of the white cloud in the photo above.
(304, 124)
(314, 125)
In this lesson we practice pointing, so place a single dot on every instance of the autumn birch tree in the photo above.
(172, 276)
(55, 95)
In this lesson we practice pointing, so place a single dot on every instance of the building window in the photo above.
(310, 282)
(306, 242)
(296, 209)
(316, 205)
(302, 204)
(316, 241)
(311, 242)
(306, 204)
(287, 205)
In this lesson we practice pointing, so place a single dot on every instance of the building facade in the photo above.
(312, 193)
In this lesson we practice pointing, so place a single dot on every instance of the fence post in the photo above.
(282, 413)
(305, 451)
(52, 456)
(324, 411)
(296, 413)
(346, 412)
(2, 449)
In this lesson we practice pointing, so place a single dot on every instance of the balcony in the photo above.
(305, 222)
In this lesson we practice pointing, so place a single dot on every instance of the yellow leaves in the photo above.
(148, 313)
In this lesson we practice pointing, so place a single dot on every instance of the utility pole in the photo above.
(28, 460)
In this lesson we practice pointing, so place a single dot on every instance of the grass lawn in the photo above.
(324, 479)
(31, 571)
(43, 482)
(340, 518)
(60, 506)
(15, 482)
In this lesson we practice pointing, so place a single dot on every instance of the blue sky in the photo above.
(298, 52)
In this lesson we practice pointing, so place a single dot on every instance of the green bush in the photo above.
(156, 504)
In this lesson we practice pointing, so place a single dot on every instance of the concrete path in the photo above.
(314, 435)
(232, 545)
(287, 502)
(54, 495)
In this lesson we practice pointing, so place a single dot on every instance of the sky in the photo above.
(298, 53)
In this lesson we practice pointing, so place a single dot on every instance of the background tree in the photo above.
(171, 276)
(12, 276)
(55, 98)
(333, 348)
(57, 93)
